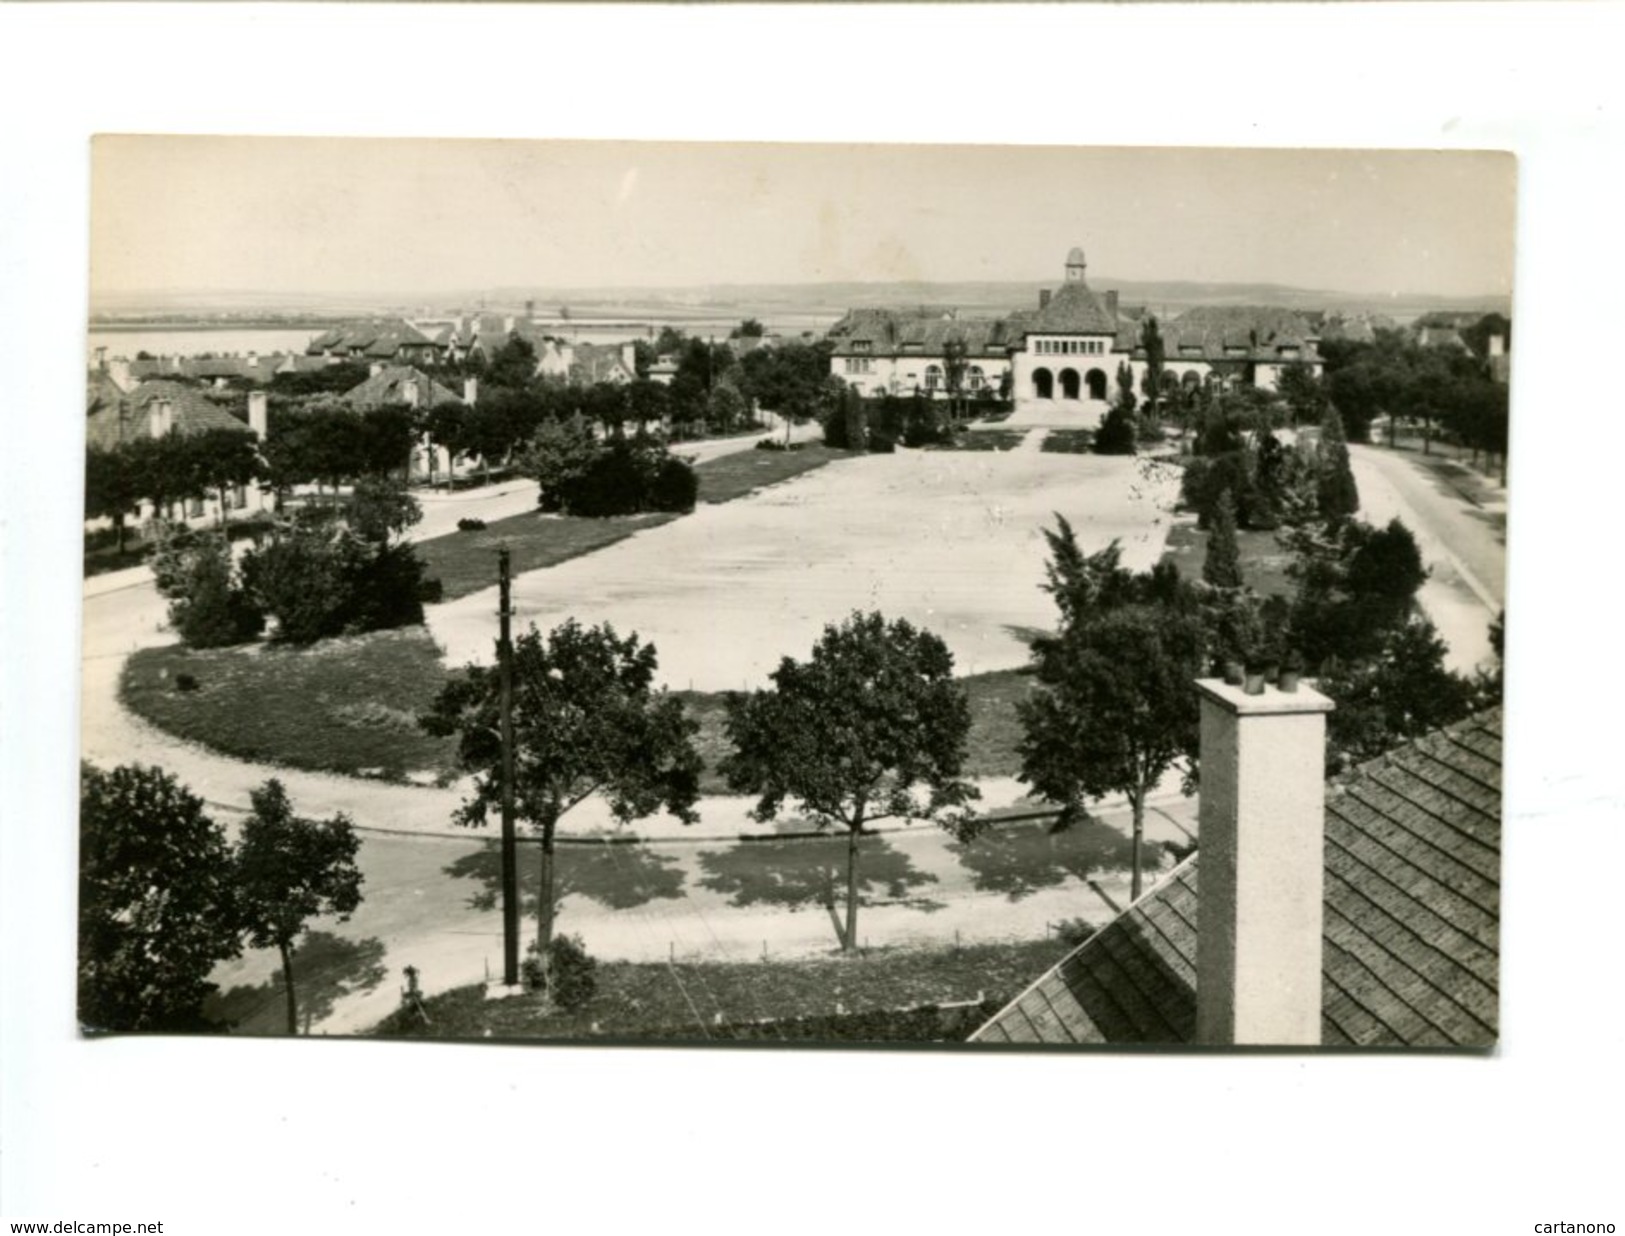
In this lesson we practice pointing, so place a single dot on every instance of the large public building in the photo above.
(1060, 360)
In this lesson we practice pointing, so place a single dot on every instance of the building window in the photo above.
(976, 378)
(239, 498)
(860, 345)
(194, 508)
(857, 364)
(933, 377)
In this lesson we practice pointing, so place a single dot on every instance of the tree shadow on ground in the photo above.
(1019, 860)
(621, 877)
(326, 968)
(797, 873)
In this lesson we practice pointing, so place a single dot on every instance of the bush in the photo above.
(318, 579)
(772, 444)
(208, 606)
(470, 525)
(1074, 931)
(675, 487)
(185, 682)
(1116, 434)
(573, 980)
(881, 443)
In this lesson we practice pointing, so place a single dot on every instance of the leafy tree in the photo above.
(1304, 393)
(727, 409)
(1116, 708)
(792, 379)
(447, 427)
(513, 365)
(557, 455)
(381, 510)
(647, 403)
(222, 460)
(1222, 566)
(852, 731)
(750, 328)
(1399, 693)
(208, 605)
(332, 379)
(319, 577)
(113, 486)
(1126, 399)
(157, 909)
(587, 720)
(289, 871)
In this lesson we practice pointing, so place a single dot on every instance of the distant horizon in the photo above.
(431, 219)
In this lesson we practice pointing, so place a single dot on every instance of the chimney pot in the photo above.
(1263, 802)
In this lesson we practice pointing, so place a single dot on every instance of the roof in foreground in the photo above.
(1412, 922)
(112, 421)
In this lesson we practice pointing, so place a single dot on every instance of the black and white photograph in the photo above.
(776, 594)
(810, 618)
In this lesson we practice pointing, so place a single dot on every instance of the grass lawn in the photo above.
(466, 562)
(982, 440)
(346, 705)
(817, 1000)
(350, 706)
(743, 472)
(1263, 562)
(1068, 441)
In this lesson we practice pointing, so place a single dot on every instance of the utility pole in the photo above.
(510, 847)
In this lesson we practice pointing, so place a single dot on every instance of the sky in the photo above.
(339, 216)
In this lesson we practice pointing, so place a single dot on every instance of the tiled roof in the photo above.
(1230, 332)
(1073, 310)
(891, 332)
(1411, 932)
(192, 412)
(599, 363)
(379, 338)
(389, 385)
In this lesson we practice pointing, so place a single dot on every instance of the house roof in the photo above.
(1411, 931)
(599, 363)
(108, 425)
(1073, 310)
(380, 338)
(891, 332)
(1231, 332)
(389, 385)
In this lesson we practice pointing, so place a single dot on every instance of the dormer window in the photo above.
(861, 345)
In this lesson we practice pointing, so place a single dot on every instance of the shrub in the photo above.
(1116, 435)
(573, 979)
(469, 524)
(772, 444)
(185, 682)
(881, 443)
(674, 487)
(318, 579)
(208, 605)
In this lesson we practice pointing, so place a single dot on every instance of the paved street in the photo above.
(1462, 538)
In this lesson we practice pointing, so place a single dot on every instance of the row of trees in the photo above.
(1445, 389)
(164, 897)
(165, 471)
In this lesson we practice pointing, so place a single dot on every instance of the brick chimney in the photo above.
(1111, 303)
(1498, 345)
(471, 391)
(160, 417)
(1262, 827)
(258, 414)
(1043, 298)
